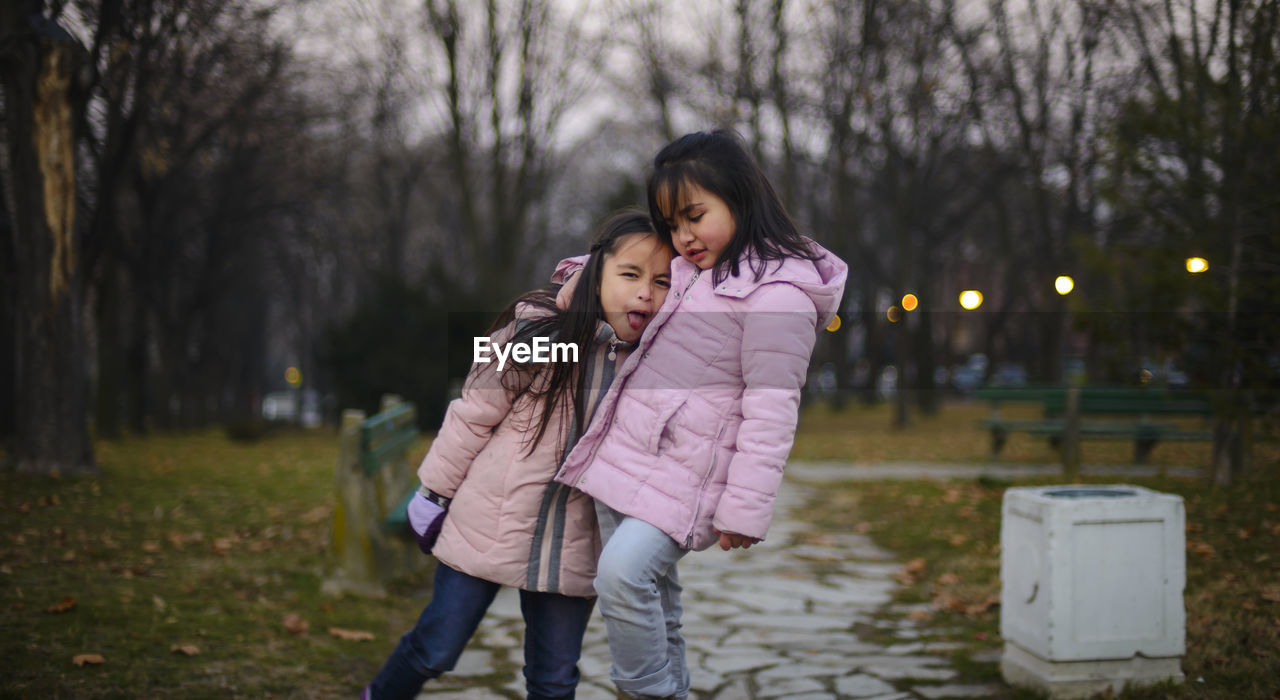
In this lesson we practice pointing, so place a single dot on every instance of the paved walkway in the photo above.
(780, 620)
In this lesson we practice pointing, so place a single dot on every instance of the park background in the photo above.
(201, 195)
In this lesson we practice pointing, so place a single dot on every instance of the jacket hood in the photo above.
(822, 279)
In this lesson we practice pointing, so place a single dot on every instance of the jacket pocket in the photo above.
(662, 421)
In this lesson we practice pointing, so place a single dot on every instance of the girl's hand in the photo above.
(426, 517)
(731, 540)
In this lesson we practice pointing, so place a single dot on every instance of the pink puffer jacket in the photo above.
(509, 522)
(696, 429)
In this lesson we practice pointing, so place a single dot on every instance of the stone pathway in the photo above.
(775, 621)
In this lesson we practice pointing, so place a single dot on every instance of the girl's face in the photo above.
(634, 282)
(701, 225)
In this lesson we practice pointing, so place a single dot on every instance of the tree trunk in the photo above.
(137, 372)
(8, 328)
(110, 364)
(53, 434)
(925, 360)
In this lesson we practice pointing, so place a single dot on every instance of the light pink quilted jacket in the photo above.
(696, 428)
(509, 522)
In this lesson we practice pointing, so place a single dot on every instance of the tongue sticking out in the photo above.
(636, 319)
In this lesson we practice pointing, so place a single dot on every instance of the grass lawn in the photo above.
(186, 541)
(949, 534)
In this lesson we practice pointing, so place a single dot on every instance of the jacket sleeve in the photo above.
(568, 267)
(777, 340)
(468, 424)
(567, 274)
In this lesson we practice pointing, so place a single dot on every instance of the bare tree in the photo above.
(41, 66)
(510, 72)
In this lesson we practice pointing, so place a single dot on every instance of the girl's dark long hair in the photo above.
(719, 162)
(561, 390)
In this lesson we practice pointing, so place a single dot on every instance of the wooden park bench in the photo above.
(376, 476)
(1103, 413)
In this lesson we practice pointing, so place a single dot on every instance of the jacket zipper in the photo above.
(613, 357)
(685, 293)
(697, 508)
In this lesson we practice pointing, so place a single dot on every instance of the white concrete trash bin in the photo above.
(1092, 588)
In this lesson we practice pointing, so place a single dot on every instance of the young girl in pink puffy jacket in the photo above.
(507, 522)
(687, 448)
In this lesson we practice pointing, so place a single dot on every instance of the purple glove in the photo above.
(426, 516)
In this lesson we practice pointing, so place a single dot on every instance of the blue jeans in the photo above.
(640, 602)
(554, 626)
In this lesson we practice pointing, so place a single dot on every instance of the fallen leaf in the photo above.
(158, 602)
(87, 659)
(948, 579)
(185, 649)
(910, 573)
(295, 624)
(222, 546)
(351, 635)
(1244, 533)
(69, 555)
(316, 514)
(862, 528)
(151, 547)
(1204, 549)
(919, 615)
(1271, 507)
(64, 605)
(1271, 593)
(952, 495)
(958, 540)
(981, 606)
(945, 601)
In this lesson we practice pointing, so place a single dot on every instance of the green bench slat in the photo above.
(393, 446)
(386, 437)
(1055, 428)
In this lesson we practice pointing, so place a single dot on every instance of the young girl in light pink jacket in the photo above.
(687, 447)
(507, 522)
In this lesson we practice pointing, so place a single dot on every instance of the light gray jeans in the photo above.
(640, 602)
